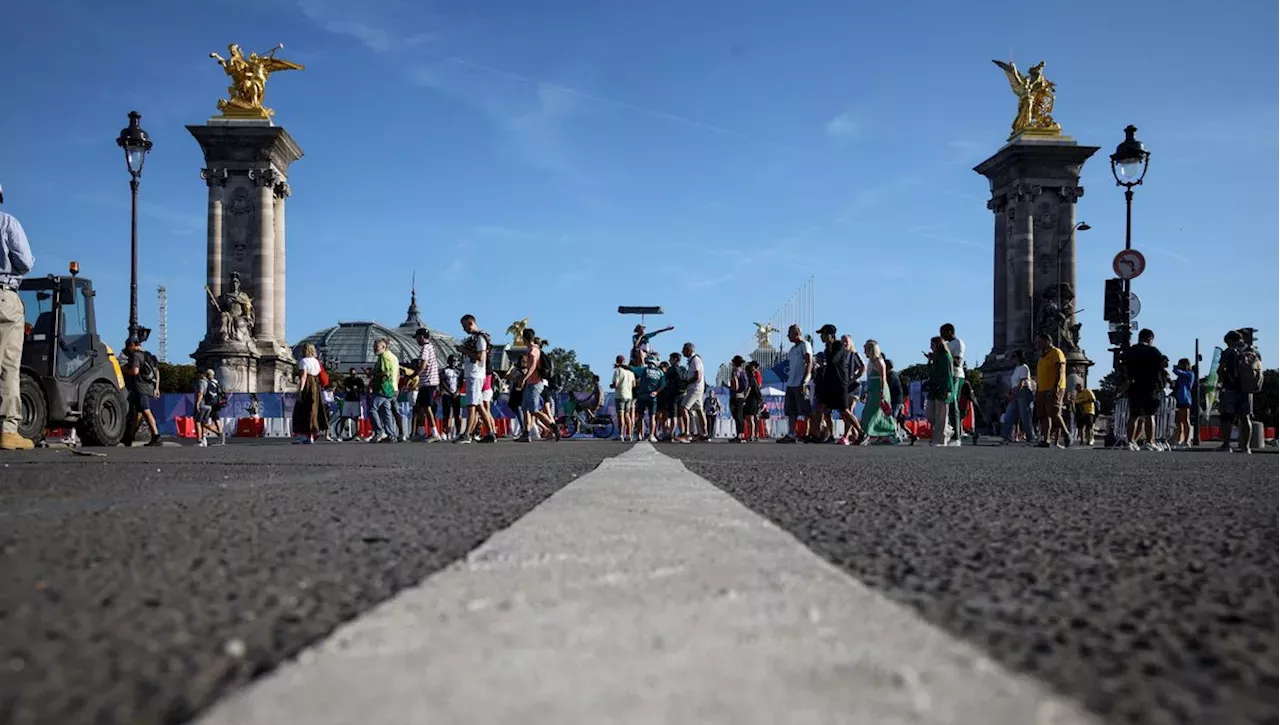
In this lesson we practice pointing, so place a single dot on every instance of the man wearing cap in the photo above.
(799, 372)
(141, 388)
(15, 261)
(640, 343)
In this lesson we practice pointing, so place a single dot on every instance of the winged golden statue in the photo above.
(763, 333)
(516, 331)
(249, 81)
(1035, 100)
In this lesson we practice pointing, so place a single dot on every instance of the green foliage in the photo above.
(1265, 403)
(974, 378)
(1107, 389)
(177, 378)
(575, 377)
(919, 371)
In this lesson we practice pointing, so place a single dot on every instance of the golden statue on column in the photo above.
(1035, 101)
(249, 81)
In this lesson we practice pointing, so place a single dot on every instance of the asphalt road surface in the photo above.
(1142, 585)
(134, 589)
(146, 586)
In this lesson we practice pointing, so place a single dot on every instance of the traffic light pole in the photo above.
(1128, 244)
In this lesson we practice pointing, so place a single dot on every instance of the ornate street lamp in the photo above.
(136, 145)
(1129, 167)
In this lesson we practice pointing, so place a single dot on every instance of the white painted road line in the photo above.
(641, 593)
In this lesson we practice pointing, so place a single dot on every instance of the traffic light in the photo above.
(1115, 303)
(1247, 334)
(1119, 336)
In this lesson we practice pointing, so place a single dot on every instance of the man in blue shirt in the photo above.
(15, 262)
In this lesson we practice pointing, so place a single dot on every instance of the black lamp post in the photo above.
(1129, 167)
(136, 144)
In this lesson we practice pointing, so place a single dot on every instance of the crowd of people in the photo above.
(672, 400)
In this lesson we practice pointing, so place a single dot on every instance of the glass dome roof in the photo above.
(350, 344)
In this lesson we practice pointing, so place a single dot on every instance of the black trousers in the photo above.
(735, 410)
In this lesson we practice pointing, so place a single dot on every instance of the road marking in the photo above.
(641, 593)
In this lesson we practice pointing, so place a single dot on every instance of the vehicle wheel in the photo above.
(568, 426)
(103, 415)
(35, 411)
(603, 429)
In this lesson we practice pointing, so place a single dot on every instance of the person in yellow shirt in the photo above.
(1086, 408)
(1051, 384)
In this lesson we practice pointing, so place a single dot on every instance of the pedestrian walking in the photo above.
(16, 261)
(1240, 376)
(941, 391)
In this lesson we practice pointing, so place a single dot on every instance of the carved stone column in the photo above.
(216, 179)
(282, 192)
(246, 235)
(1020, 298)
(999, 301)
(265, 269)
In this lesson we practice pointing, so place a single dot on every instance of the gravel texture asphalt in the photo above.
(1143, 585)
(138, 587)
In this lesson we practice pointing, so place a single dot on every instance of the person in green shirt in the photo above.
(386, 373)
(942, 391)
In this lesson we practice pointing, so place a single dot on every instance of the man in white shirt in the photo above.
(475, 351)
(1021, 396)
(624, 383)
(956, 347)
(799, 373)
(691, 414)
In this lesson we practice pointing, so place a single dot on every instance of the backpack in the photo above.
(1248, 370)
(149, 372)
(488, 351)
(214, 395)
(547, 370)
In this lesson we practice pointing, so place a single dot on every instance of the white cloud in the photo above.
(845, 127)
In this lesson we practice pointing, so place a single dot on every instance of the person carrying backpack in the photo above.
(209, 401)
(1239, 376)
(142, 383)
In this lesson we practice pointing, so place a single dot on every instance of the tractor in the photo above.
(70, 377)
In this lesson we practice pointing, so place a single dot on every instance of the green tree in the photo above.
(177, 378)
(1107, 389)
(919, 371)
(1266, 403)
(574, 376)
(974, 378)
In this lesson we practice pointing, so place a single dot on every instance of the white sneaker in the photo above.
(204, 443)
(1134, 446)
(1150, 447)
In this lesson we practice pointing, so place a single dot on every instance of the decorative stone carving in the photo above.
(1054, 319)
(241, 215)
(265, 177)
(214, 177)
(1071, 193)
(235, 313)
(283, 191)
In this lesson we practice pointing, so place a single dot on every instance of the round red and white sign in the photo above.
(1129, 264)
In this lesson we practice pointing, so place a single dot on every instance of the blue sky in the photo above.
(553, 160)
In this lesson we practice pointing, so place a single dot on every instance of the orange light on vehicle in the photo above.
(26, 329)
(75, 267)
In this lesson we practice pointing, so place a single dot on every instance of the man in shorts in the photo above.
(1051, 387)
(624, 383)
(450, 400)
(1235, 403)
(799, 371)
(693, 420)
(424, 406)
(474, 372)
(1144, 368)
(651, 380)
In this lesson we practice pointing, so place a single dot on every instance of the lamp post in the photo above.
(1062, 244)
(1129, 167)
(136, 145)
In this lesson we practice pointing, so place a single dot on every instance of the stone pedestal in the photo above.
(1035, 183)
(247, 164)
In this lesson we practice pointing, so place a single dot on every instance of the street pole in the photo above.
(1195, 400)
(1128, 244)
(133, 264)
